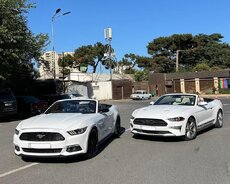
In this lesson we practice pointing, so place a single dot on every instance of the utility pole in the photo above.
(109, 56)
(177, 60)
(63, 70)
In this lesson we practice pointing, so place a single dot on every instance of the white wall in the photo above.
(79, 76)
(102, 90)
(74, 87)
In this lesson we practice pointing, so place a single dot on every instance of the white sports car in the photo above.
(68, 127)
(177, 115)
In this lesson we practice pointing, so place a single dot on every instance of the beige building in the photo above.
(50, 59)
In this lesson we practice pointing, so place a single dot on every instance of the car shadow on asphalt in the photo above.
(158, 138)
(77, 158)
(8, 120)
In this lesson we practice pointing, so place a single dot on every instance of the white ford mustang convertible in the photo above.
(177, 115)
(68, 127)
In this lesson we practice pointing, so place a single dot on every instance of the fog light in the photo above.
(176, 127)
(131, 125)
(17, 148)
(73, 148)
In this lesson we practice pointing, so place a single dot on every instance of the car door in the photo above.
(211, 108)
(203, 114)
(108, 119)
(103, 124)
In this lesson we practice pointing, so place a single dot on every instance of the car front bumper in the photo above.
(72, 145)
(172, 129)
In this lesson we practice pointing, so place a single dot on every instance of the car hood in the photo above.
(56, 121)
(161, 111)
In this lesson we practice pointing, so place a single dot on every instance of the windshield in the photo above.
(138, 92)
(188, 100)
(73, 106)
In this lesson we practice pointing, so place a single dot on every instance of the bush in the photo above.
(224, 91)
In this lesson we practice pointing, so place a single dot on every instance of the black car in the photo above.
(8, 104)
(30, 105)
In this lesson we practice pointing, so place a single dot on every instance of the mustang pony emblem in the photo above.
(40, 136)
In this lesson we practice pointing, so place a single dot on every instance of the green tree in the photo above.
(127, 65)
(140, 75)
(215, 68)
(163, 64)
(90, 55)
(157, 64)
(193, 50)
(66, 63)
(18, 45)
(201, 67)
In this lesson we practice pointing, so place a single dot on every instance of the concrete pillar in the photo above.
(215, 85)
(182, 85)
(197, 85)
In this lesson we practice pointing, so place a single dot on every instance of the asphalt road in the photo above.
(205, 160)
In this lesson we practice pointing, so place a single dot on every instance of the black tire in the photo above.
(92, 144)
(219, 119)
(190, 130)
(117, 128)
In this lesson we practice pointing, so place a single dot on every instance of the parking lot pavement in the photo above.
(128, 160)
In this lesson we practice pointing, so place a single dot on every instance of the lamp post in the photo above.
(53, 53)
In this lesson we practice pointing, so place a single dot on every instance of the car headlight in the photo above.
(132, 117)
(16, 131)
(177, 119)
(77, 131)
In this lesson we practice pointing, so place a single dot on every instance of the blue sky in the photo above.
(135, 23)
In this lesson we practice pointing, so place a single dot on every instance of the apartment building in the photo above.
(48, 60)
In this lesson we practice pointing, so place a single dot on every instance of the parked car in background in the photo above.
(8, 105)
(140, 95)
(30, 106)
(177, 114)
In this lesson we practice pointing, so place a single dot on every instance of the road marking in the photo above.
(226, 104)
(19, 169)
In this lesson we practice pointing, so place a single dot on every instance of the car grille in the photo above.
(152, 132)
(32, 150)
(41, 136)
(150, 122)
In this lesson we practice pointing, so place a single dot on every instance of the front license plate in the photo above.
(45, 146)
(148, 128)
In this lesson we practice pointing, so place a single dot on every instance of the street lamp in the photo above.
(53, 54)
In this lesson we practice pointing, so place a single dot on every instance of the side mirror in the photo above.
(104, 110)
(151, 103)
(202, 103)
